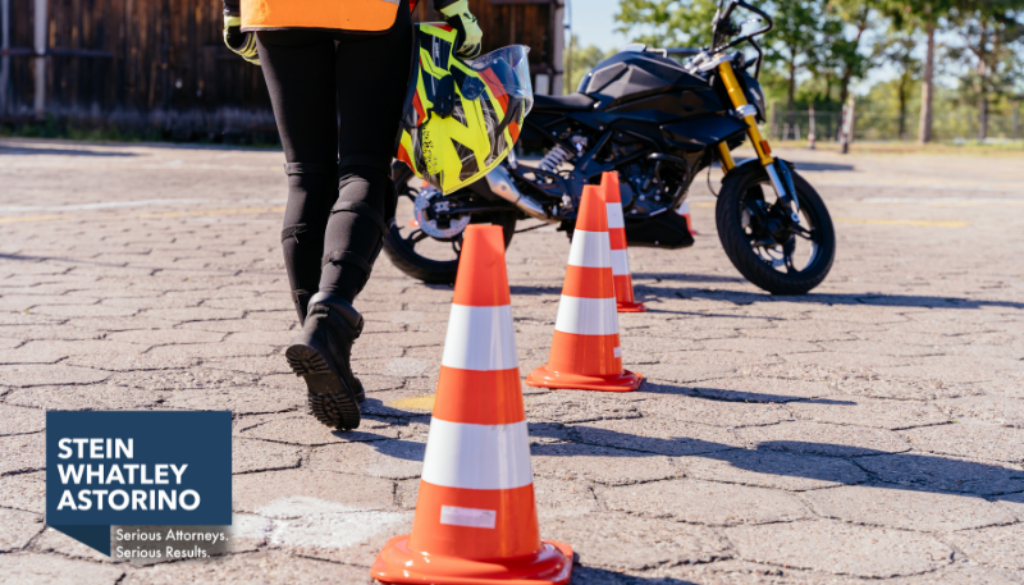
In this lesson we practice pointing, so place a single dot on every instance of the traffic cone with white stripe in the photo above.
(624, 300)
(684, 210)
(585, 351)
(476, 518)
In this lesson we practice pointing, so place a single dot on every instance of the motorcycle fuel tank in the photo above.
(635, 74)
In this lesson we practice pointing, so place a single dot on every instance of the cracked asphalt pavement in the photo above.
(870, 432)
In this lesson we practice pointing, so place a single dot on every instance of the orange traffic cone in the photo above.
(476, 519)
(684, 210)
(624, 299)
(585, 352)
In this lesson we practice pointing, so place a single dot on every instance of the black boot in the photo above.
(301, 299)
(320, 354)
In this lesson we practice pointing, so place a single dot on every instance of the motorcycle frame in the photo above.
(587, 167)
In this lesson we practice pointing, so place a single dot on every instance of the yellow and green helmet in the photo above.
(462, 118)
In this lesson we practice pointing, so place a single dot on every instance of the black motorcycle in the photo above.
(658, 123)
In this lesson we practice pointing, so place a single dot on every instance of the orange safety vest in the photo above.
(356, 15)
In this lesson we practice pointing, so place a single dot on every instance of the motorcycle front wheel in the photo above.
(763, 243)
(411, 247)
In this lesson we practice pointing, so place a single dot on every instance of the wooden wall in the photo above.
(161, 63)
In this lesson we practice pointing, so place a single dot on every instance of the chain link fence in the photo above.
(869, 125)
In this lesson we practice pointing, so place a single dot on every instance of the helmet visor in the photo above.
(510, 67)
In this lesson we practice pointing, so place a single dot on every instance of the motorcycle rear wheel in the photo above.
(756, 235)
(400, 243)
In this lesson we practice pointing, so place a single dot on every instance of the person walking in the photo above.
(337, 74)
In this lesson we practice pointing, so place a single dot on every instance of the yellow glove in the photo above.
(241, 43)
(457, 15)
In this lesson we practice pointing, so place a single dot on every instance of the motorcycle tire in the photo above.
(430, 271)
(738, 185)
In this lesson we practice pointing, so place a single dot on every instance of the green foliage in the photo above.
(991, 34)
(821, 48)
(667, 23)
(52, 127)
(796, 45)
(897, 49)
(913, 14)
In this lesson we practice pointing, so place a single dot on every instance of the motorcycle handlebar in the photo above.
(724, 18)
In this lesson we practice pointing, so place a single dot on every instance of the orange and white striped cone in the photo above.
(624, 300)
(684, 210)
(585, 351)
(476, 518)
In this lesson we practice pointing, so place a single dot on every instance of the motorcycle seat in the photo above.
(573, 101)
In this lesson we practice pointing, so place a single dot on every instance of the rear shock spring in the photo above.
(554, 158)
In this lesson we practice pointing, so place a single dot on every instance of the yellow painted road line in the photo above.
(212, 212)
(35, 218)
(903, 222)
(147, 215)
(425, 402)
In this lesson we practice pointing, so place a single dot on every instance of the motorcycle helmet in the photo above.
(462, 118)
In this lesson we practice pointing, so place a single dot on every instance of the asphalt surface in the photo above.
(870, 432)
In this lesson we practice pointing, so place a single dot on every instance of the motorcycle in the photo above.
(658, 122)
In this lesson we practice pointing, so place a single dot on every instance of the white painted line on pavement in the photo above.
(952, 201)
(916, 222)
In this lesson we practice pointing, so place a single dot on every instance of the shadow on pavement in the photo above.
(687, 277)
(592, 576)
(820, 461)
(535, 290)
(709, 393)
(29, 150)
(700, 314)
(921, 301)
(826, 462)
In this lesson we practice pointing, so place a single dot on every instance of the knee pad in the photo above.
(376, 178)
(364, 261)
(312, 182)
(311, 168)
(293, 232)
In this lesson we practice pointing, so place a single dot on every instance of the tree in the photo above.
(667, 23)
(897, 48)
(857, 17)
(792, 46)
(990, 31)
(924, 132)
(923, 15)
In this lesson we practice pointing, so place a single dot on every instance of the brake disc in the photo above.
(425, 201)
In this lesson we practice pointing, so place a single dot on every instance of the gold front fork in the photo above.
(764, 151)
(725, 156)
(732, 85)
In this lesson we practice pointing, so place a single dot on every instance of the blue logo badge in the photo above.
(136, 468)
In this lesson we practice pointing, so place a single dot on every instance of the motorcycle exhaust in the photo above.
(501, 185)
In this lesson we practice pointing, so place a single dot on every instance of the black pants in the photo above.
(337, 98)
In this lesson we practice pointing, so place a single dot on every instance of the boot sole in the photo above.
(330, 401)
